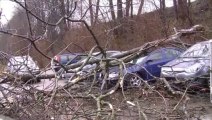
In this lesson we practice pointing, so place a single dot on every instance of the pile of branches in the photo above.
(81, 97)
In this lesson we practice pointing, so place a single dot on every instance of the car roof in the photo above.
(165, 48)
(202, 42)
(21, 57)
(172, 48)
(208, 41)
(75, 54)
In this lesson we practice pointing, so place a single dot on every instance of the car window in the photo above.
(75, 59)
(155, 56)
(197, 50)
(80, 57)
(68, 57)
(171, 53)
(99, 55)
(138, 60)
(110, 54)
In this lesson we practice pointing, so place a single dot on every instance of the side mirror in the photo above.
(149, 61)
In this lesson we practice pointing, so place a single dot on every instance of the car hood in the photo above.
(182, 64)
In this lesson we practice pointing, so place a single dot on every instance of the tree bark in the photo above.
(175, 8)
(97, 11)
(140, 7)
(162, 4)
(112, 10)
(182, 8)
(131, 10)
(131, 16)
(119, 20)
(128, 7)
(162, 11)
(184, 13)
(67, 11)
(63, 13)
(91, 12)
(189, 3)
(119, 11)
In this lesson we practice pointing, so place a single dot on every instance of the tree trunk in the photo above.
(131, 11)
(182, 6)
(140, 7)
(112, 10)
(63, 13)
(128, 7)
(119, 9)
(67, 11)
(175, 9)
(162, 11)
(184, 13)
(119, 19)
(97, 11)
(189, 3)
(131, 16)
(91, 12)
(162, 5)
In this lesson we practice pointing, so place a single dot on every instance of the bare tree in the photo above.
(112, 11)
(182, 12)
(97, 10)
(162, 4)
(175, 8)
(182, 9)
(119, 9)
(91, 12)
(140, 7)
(131, 10)
(128, 4)
(163, 17)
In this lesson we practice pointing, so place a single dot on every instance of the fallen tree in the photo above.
(125, 56)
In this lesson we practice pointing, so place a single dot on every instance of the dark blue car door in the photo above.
(154, 62)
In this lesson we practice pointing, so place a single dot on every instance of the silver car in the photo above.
(193, 63)
(22, 65)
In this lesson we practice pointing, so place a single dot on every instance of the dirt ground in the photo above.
(130, 104)
(157, 108)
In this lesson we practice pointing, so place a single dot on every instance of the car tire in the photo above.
(132, 81)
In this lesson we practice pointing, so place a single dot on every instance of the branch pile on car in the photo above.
(125, 56)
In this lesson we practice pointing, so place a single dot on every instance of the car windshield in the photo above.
(98, 55)
(108, 54)
(22, 63)
(139, 60)
(197, 50)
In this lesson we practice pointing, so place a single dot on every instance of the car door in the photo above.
(153, 63)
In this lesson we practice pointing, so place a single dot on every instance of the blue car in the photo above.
(146, 68)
